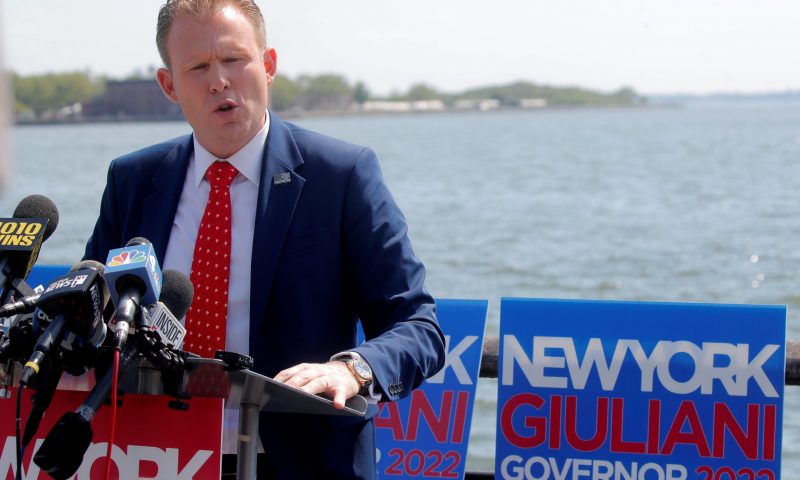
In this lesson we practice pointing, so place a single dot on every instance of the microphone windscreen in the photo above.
(88, 264)
(62, 451)
(137, 241)
(39, 206)
(100, 268)
(177, 292)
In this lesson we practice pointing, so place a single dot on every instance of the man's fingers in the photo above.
(339, 398)
(330, 379)
(283, 375)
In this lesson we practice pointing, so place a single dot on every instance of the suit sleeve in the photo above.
(106, 234)
(386, 280)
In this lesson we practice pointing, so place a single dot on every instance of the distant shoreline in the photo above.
(338, 113)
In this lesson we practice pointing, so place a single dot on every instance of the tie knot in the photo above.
(220, 174)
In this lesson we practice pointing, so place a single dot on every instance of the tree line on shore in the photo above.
(37, 94)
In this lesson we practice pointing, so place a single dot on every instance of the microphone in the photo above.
(74, 303)
(164, 317)
(23, 305)
(62, 451)
(134, 279)
(25, 328)
(19, 339)
(177, 293)
(21, 237)
(83, 326)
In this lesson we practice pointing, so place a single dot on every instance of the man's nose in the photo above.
(219, 80)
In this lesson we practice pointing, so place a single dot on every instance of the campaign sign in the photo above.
(40, 275)
(44, 274)
(425, 435)
(634, 390)
(151, 440)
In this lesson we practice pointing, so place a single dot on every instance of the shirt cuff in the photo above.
(373, 397)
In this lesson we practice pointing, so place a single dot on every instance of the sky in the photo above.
(654, 46)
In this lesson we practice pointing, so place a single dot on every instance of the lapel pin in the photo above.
(280, 178)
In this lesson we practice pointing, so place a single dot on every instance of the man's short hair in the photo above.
(196, 9)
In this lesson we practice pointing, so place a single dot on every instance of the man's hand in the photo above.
(332, 379)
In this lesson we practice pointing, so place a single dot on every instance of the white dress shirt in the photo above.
(180, 249)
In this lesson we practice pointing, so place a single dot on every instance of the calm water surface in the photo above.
(694, 204)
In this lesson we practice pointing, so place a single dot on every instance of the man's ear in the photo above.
(270, 64)
(164, 78)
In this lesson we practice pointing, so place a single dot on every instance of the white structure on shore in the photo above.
(533, 103)
(398, 106)
(482, 104)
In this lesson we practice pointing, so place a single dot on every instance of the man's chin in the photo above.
(226, 140)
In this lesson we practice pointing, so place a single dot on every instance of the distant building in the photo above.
(403, 106)
(482, 104)
(533, 103)
(427, 105)
(386, 106)
(134, 100)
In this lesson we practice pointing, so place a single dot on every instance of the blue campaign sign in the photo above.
(425, 435)
(634, 390)
(39, 275)
(43, 274)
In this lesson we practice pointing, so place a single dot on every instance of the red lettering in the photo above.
(453, 405)
(460, 420)
(617, 443)
(725, 420)
(695, 436)
(392, 421)
(653, 425)
(555, 422)
(421, 407)
(538, 424)
(770, 416)
(601, 425)
(394, 468)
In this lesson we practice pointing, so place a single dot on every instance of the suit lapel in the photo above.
(160, 206)
(279, 192)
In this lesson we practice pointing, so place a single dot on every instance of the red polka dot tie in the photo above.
(206, 318)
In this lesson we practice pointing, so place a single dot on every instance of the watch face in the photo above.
(362, 369)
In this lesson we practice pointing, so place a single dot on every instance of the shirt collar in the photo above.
(247, 160)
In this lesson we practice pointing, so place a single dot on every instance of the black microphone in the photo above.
(74, 303)
(78, 360)
(164, 317)
(25, 327)
(134, 279)
(41, 401)
(23, 305)
(162, 331)
(177, 293)
(19, 339)
(21, 237)
(62, 451)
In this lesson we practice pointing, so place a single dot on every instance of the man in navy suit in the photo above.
(318, 243)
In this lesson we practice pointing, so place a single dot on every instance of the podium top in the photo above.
(208, 377)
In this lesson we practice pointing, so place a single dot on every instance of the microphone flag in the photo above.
(20, 242)
(138, 261)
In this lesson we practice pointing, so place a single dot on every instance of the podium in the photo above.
(252, 392)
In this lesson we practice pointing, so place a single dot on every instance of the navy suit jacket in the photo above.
(330, 248)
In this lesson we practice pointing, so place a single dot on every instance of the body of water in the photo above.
(693, 204)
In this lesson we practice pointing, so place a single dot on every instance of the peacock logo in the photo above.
(128, 257)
